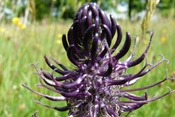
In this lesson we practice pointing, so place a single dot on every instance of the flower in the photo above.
(95, 87)
(15, 20)
(58, 41)
(163, 40)
(21, 25)
(59, 35)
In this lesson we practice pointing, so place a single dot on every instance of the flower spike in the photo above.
(95, 87)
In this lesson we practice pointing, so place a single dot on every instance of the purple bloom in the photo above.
(95, 87)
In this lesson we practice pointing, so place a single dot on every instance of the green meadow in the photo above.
(21, 47)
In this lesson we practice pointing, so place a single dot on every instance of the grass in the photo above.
(19, 48)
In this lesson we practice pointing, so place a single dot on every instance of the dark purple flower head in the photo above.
(94, 88)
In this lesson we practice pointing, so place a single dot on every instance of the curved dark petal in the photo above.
(140, 59)
(108, 34)
(54, 67)
(150, 100)
(132, 53)
(71, 55)
(104, 18)
(82, 7)
(109, 39)
(85, 10)
(62, 108)
(76, 35)
(126, 79)
(89, 18)
(153, 66)
(47, 75)
(119, 38)
(81, 27)
(56, 108)
(75, 83)
(102, 35)
(103, 53)
(107, 72)
(61, 78)
(142, 88)
(134, 97)
(50, 82)
(124, 49)
(61, 89)
(73, 36)
(64, 41)
(72, 94)
(61, 65)
(53, 98)
(97, 23)
(79, 15)
(137, 61)
(58, 88)
(79, 12)
(133, 107)
(113, 25)
(94, 9)
(88, 33)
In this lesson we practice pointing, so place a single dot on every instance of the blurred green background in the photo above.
(30, 29)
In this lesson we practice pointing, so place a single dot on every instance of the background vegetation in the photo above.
(30, 29)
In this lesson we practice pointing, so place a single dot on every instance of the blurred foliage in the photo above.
(136, 6)
(13, 8)
(165, 4)
(58, 8)
(105, 5)
(40, 9)
(167, 8)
